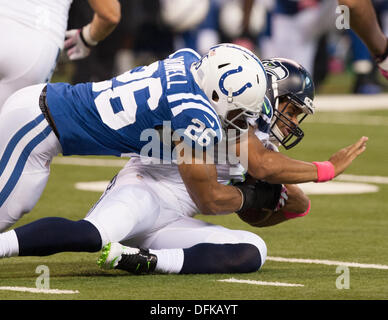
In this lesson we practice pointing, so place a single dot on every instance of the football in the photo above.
(254, 216)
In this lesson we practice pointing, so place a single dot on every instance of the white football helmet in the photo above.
(232, 78)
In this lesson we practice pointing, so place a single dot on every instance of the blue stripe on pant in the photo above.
(18, 169)
(15, 140)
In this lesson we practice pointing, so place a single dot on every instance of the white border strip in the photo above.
(262, 283)
(37, 290)
(329, 263)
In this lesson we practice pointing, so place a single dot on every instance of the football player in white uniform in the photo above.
(33, 32)
(150, 206)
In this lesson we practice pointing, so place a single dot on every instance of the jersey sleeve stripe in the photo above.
(187, 96)
(193, 105)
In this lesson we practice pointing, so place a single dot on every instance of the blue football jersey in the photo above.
(122, 115)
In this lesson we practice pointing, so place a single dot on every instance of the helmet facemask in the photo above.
(295, 133)
(238, 119)
(235, 117)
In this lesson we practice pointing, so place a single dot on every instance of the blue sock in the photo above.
(221, 258)
(52, 235)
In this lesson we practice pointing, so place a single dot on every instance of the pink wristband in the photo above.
(325, 171)
(292, 215)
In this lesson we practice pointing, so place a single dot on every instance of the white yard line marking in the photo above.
(90, 162)
(335, 187)
(348, 102)
(37, 290)
(262, 283)
(351, 120)
(97, 186)
(330, 263)
(308, 188)
(370, 179)
(121, 163)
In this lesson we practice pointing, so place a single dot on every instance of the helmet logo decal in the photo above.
(235, 93)
(276, 69)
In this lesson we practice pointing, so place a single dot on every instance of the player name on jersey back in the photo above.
(175, 67)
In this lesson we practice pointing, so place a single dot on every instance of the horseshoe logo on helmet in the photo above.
(234, 93)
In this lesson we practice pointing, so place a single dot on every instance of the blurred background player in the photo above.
(296, 29)
(33, 34)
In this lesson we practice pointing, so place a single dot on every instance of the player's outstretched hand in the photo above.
(344, 157)
(75, 46)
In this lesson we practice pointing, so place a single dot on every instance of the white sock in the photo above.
(9, 244)
(169, 260)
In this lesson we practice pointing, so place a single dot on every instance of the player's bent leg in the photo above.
(206, 249)
(48, 236)
(17, 204)
(120, 214)
(193, 234)
(228, 251)
(27, 145)
(124, 212)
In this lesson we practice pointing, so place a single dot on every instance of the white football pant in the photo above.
(141, 211)
(24, 62)
(27, 146)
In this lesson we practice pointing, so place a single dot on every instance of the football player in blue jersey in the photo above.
(197, 96)
(148, 205)
(111, 117)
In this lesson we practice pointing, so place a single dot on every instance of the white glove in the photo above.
(78, 43)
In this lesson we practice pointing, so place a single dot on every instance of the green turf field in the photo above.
(349, 228)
